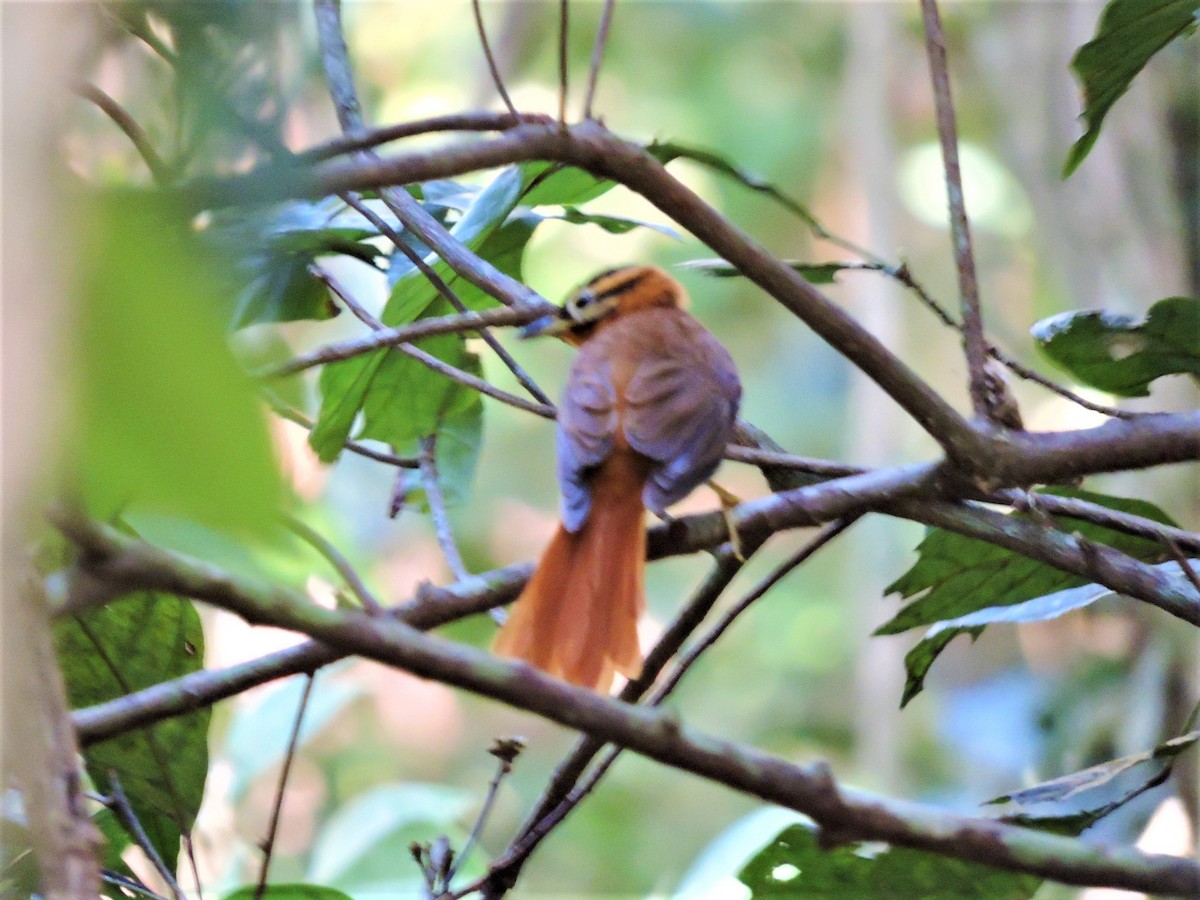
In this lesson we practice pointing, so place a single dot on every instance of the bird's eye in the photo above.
(582, 301)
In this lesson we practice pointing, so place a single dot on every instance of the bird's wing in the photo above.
(587, 423)
(679, 410)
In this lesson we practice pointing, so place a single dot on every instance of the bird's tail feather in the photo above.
(577, 617)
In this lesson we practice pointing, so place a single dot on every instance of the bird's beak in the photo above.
(553, 324)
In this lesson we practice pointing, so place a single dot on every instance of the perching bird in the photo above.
(648, 409)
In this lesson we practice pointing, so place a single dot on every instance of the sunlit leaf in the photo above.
(552, 184)
(1129, 34)
(795, 865)
(1121, 354)
(124, 646)
(165, 420)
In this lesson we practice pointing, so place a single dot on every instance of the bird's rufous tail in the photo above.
(577, 617)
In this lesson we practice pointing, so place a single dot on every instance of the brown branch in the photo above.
(121, 808)
(374, 137)
(597, 57)
(968, 284)
(340, 564)
(491, 60)
(401, 462)
(811, 790)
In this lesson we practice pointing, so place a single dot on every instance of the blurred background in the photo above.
(831, 103)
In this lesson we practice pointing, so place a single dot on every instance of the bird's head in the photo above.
(608, 296)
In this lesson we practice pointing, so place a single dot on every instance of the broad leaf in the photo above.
(955, 576)
(1072, 803)
(124, 646)
(795, 865)
(164, 418)
(1121, 354)
(816, 273)
(1130, 32)
(552, 184)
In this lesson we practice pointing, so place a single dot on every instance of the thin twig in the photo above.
(437, 508)
(1184, 563)
(491, 60)
(445, 290)
(268, 844)
(597, 57)
(563, 34)
(506, 752)
(823, 467)
(129, 884)
(292, 415)
(373, 137)
(339, 562)
(121, 808)
(159, 170)
(968, 284)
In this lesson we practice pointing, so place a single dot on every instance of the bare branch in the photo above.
(374, 137)
(968, 285)
(491, 60)
(597, 57)
(121, 808)
(402, 462)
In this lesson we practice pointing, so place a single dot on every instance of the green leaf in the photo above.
(124, 646)
(289, 892)
(1121, 354)
(164, 418)
(957, 576)
(552, 184)
(376, 827)
(795, 865)
(1072, 803)
(258, 735)
(345, 386)
(1129, 34)
(816, 273)
(611, 224)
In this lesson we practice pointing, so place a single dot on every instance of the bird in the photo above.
(649, 406)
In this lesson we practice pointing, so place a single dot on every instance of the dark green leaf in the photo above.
(125, 646)
(957, 576)
(1130, 32)
(1075, 802)
(1121, 354)
(794, 865)
(816, 273)
(288, 892)
(166, 421)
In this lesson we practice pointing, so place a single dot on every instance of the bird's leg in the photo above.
(728, 501)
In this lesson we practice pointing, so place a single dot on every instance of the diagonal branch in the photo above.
(491, 59)
(597, 57)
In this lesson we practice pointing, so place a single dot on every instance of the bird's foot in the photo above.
(728, 501)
